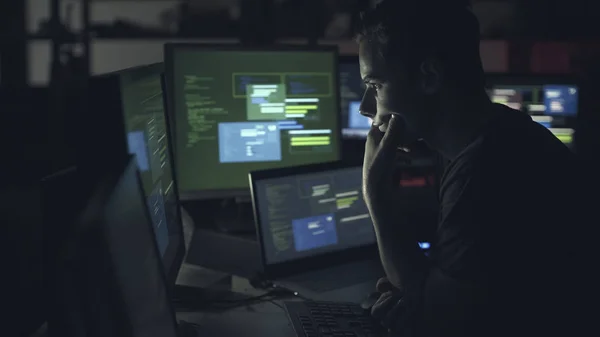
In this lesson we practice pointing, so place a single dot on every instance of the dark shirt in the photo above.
(507, 235)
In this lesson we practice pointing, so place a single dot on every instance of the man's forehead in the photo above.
(371, 62)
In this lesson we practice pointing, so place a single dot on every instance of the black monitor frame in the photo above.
(110, 105)
(93, 238)
(325, 260)
(169, 51)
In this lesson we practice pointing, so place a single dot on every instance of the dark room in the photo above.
(300, 168)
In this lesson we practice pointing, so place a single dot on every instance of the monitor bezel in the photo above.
(305, 264)
(92, 220)
(175, 252)
(169, 52)
(179, 251)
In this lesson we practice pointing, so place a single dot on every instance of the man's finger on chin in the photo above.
(374, 136)
(393, 136)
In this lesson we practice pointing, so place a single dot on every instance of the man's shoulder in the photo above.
(516, 132)
(513, 140)
(513, 151)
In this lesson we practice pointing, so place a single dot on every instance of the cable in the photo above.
(227, 300)
(277, 305)
(262, 283)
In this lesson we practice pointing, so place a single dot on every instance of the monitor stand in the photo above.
(236, 216)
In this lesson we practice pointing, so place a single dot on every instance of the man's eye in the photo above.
(375, 86)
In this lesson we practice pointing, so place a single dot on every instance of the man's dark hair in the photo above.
(408, 31)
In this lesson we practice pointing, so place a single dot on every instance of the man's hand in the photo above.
(398, 248)
(389, 308)
(378, 168)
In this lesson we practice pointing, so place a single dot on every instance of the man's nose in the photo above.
(368, 106)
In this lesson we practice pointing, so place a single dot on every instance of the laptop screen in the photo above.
(311, 214)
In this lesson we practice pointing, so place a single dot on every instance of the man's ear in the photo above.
(431, 76)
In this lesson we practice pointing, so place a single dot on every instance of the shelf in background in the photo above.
(110, 54)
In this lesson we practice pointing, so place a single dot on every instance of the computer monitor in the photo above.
(112, 276)
(238, 110)
(552, 101)
(138, 126)
(310, 211)
(314, 213)
(352, 89)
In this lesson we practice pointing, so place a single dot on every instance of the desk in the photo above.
(264, 319)
(242, 322)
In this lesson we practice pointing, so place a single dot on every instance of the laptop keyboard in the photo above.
(331, 319)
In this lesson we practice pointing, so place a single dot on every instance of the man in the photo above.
(505, 260)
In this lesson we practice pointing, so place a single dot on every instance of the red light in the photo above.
(413, 182)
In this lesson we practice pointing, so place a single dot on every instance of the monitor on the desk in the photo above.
(352, 89)
(237, 110)
(135, 123)
(310, 212)
(552, 101)
(113, 278)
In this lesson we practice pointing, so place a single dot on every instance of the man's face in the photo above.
(389, 91)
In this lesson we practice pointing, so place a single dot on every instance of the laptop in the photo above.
(316, 236)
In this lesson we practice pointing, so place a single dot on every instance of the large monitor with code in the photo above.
(309, 214)
(134, 100)
(550, 101)
(238, 110)
(352, 89)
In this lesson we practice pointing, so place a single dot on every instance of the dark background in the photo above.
(517, 36)
(38, 82)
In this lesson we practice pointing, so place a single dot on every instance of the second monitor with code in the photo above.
(237, 110)
(303, 215)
